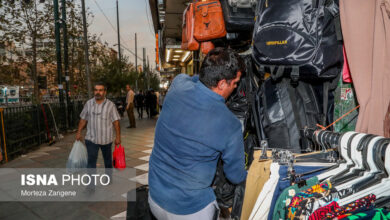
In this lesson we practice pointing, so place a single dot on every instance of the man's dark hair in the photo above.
(220, 63)
(100, 84)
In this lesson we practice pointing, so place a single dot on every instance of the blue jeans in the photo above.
(93, 150)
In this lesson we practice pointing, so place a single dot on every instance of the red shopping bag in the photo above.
(118, 156)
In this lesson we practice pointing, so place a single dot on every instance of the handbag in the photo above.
(118, 156)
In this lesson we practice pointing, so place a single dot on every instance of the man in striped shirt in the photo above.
(100, 116)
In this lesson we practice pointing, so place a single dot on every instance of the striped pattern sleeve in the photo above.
(84, 114)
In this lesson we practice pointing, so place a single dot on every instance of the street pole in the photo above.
(66, 60)
(136, 68)
(58, 51)
(86, 55)
(148, 73)
(119, 40)
(144, 64)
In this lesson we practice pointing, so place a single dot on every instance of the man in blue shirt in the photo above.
(192, 133)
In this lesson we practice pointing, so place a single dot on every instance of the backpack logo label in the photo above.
(280, 42)
(207, 24)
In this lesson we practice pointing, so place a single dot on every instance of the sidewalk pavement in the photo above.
(138, 144)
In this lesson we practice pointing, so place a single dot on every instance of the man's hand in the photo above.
(78, 136)
(117, 141)
(82, 125)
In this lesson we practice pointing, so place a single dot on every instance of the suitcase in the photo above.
(209, 22)
(188, 41)
(239, 15)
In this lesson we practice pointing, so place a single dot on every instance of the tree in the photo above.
(27, 24)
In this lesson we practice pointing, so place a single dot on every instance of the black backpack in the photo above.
(284, 109)
(298, 38)
(239, 15)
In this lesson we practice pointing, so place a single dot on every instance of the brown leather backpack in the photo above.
(188, 41)
(209, 22)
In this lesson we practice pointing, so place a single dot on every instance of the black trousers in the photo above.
(140, 110)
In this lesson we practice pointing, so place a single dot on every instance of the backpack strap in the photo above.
(295, 74)
(333, 9)
(279, 72)
(293, 98)
(337, 26)
(325, 102)
(251, 92)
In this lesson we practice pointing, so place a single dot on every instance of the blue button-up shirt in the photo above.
(193, 131)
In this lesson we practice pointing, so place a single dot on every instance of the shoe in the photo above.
(132, 127)
(128, 127)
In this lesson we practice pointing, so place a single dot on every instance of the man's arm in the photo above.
(118, 132)
(82, 125)
(233, 158)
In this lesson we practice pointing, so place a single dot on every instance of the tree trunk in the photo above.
(34, 71)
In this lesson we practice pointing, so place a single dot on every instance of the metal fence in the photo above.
(32, 125)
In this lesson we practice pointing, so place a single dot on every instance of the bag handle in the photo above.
(205, 11)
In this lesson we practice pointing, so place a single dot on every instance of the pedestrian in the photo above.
(192, 133)
(153, 103)
(139, 101)
(1, 154)
(161, 99)
(148, 103)
(130, 106)
(100, 116)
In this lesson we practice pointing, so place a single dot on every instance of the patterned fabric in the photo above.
(345, 100)
(308, 205)
(375, 214)
(321, 212)
(286, 196)
(365, 202)
(299, 201)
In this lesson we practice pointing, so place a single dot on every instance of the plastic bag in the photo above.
(78, 158)
(118, 156)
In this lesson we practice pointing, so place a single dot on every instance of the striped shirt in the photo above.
(100, 117)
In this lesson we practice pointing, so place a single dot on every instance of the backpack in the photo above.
(299, 38)
(239, 15)
(188, 40)
(284, 109)
(209, 23)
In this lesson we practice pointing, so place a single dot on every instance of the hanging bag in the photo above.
(284, 110)
(78, 158)
(188, 40)
(119, 160)
(298, 38)
(209, 23)
(239, 15)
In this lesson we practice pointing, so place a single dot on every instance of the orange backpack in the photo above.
(188, 41)
(209, 23)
